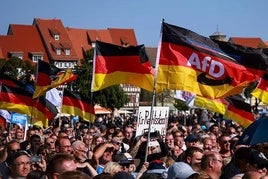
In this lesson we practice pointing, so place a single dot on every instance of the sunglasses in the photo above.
(226, 141)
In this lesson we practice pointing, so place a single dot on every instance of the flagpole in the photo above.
(150, 124)
(93, 78)
(37, 67)
(154, 94)
(62, 91)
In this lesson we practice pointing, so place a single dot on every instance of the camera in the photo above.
(35, 159)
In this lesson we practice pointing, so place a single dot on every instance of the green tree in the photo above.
(17, 68)
(164, 97)
(112, 97)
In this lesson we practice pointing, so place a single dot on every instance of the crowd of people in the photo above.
(110, 149)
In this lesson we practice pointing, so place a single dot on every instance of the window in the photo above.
(60, 64)
(16, 54)
(57, 37)
(35, 58)
(67, 51)
(93, 44)
(58, 51)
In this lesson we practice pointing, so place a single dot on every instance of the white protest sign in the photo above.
(159, 120)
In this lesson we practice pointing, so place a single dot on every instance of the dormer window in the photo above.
(37, 56)
(57, 37)
(67, 52)
(58, 51)
(124, 41)
(93, 44)
(57, 48)
(16, 55)
(66, 47)
(55, 33)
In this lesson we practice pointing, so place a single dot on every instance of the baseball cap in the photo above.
(180, 170)
(191, 138)
(126, 158)
(10, 159)
(257, 159)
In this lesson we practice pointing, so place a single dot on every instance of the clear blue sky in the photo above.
(244, 18)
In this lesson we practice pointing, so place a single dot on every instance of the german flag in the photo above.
(255, 60)
(76, 104)
(218, 105)
(3, 123)
(239, 111)
(20, 101)
(121, 65)
(193, 63)
(63, 78)
(46, 74)
(9, 81)
(261, 91)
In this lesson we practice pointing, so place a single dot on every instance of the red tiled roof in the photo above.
(79, 41)
(1, 54)
(45, 27)
(123, 35)
(65, 45)
(56, 45)
(254, 42)
(100, 35)
(39, 39)
(92, 35)
(22, 38)
(54, 31)
(82, 39)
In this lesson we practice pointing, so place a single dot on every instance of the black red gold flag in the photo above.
(239, 111)
(18, 100)
(76, 104)
(48, 77)
(191, 62)
(121, 65)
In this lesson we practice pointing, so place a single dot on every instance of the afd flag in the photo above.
(190, 62)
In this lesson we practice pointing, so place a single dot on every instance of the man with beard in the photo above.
(80, 154)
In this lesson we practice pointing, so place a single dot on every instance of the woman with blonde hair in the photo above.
(112, 168)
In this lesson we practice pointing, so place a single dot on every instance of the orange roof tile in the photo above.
(22, 38)
(82, 39)
(45, 27)
(1, 54)
(101, 35)
(254, 42)
(79, 40)
(92, 35)
(119, 36)
(104, 36)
